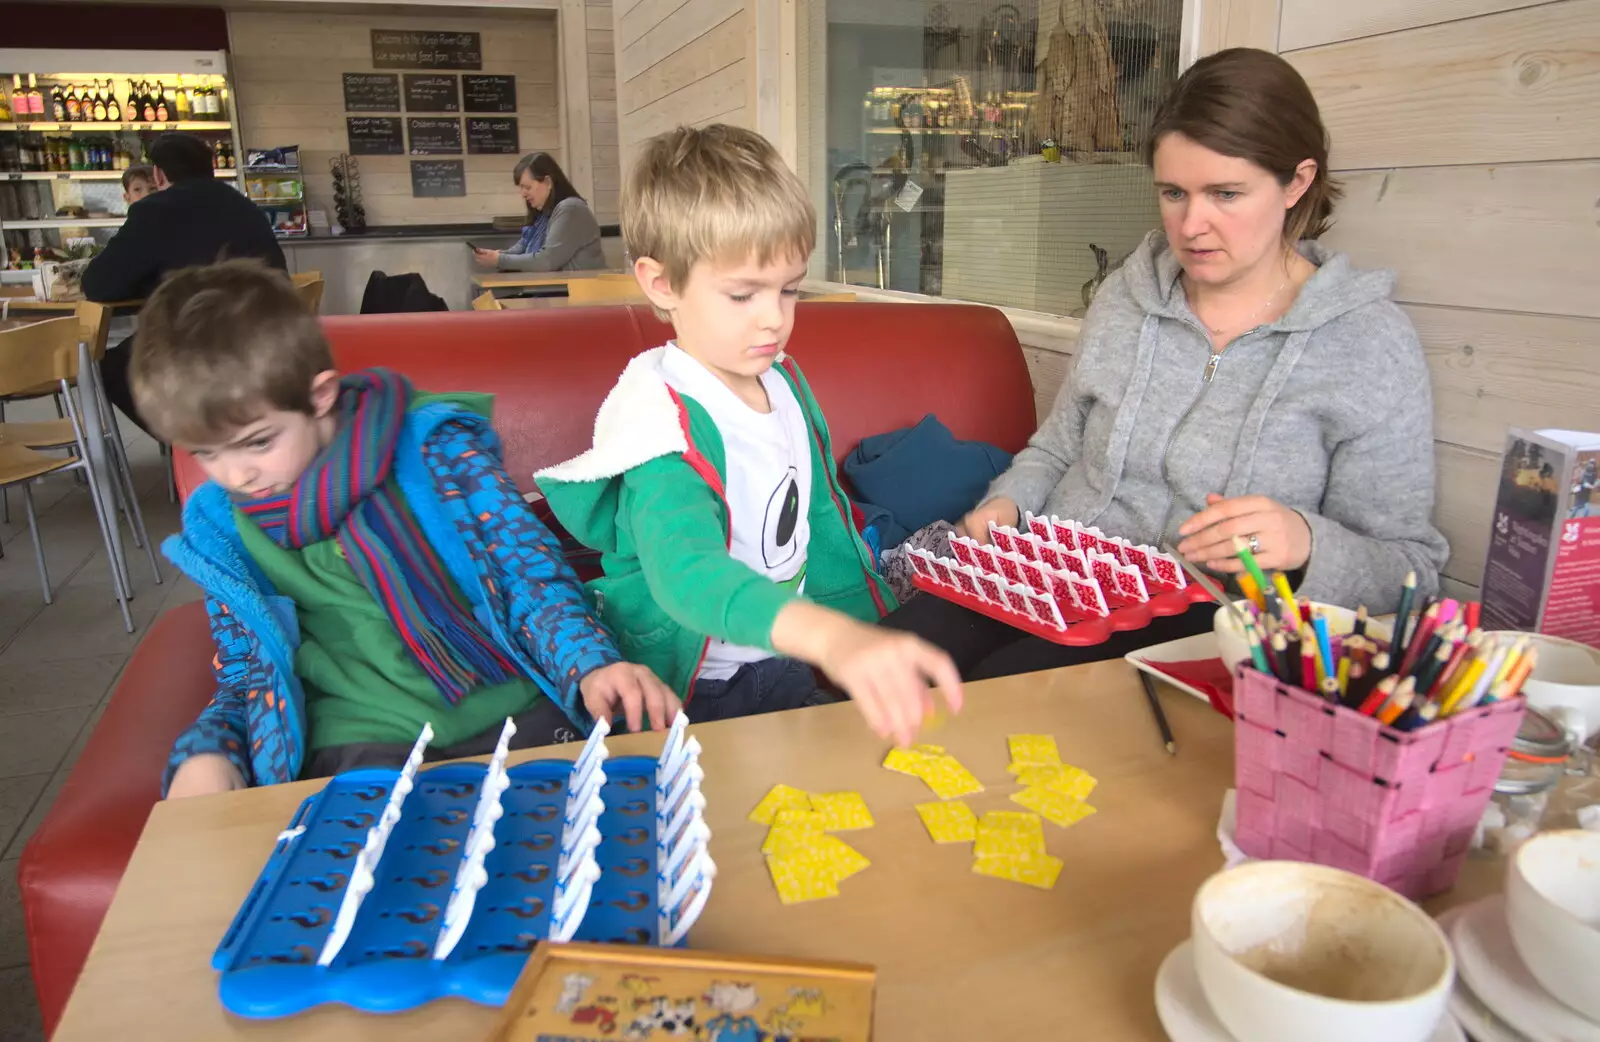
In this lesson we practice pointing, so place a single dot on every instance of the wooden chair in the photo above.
(486, 301)
(309, 285)
(585, 292)
(32, 356)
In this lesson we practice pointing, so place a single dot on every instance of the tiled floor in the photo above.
(51, 690)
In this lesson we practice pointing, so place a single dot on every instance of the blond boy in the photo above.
(732, 565)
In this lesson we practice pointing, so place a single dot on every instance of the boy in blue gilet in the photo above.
(368, 566)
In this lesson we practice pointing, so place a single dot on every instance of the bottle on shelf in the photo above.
(163, 112)
(99, 104)
(75, 155)
(5, 108)
(181, 104)
(147, 104)
(113, 107)
(58, 105)
(73, 105)
(219, 103)
(35, 98)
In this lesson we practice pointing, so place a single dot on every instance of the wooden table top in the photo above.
(959, 956)
(30, 304)
(525, 279)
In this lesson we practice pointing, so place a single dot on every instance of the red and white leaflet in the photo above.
(1002, 537)
(1017, 598)
(1039, 526)
(963, 575)
(1027, 545)
(964, 550)
(1033, 576)
(989, 587)
(1166, 571)
(1088, 597)
(1130, 584)
(1066, 533)
(941, 570)
(919, 562)
(1010, 566)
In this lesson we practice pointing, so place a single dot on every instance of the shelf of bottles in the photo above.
(68, 131)
(948, 128)
(279, 189)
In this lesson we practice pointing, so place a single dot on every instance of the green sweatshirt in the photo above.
(648, 496)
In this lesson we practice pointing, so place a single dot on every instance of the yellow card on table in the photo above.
(1073, 781)
(1055, 805)
(1033, 749)
(1039, 870)
(840, 858)
(842, 811)
(928, 750)
(781, 797)
(948, 779)
(1008, 834)
(789, 841)
(801, 880)
(905, 761)
(949, 821)
(808, 819)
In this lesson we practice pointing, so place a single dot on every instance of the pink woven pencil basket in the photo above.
(1319, 782)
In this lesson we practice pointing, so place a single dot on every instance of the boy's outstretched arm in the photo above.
(677, 525)
(213, 754)
(548, 612)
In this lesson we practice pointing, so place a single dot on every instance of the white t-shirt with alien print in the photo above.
(768, 484)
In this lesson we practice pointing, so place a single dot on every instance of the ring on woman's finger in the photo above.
(1255, 544)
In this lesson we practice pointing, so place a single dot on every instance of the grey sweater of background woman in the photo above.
(1327, 410)
(571, 243)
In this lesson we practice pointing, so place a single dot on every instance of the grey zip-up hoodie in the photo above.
(1327, 410)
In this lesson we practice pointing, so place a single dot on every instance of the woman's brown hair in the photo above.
(1251, 104)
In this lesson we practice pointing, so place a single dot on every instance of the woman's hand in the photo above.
(1282, 534)
(487, 258)
(1000, 510)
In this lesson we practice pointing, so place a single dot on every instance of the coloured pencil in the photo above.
(1242, 551)
(1155, 709)
(1248, 587)
(1419, 638)
(1360, 628)
(1319, 625)
(1402, 615)
(1280, 658)
(1281, 584)
(1258, 654)
(1404, 695)
(1378, 696)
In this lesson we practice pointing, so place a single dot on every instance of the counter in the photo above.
(437, 252)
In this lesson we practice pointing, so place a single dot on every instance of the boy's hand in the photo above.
(886, 673)
(1000, 510)
(633, 687)
(203, 775)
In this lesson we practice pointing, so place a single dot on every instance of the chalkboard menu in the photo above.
(490, 137)
(432, 93)
(412, 49)
(375, 135)
(434, 137)
(371, 92)
(490, 93)
(438, 178)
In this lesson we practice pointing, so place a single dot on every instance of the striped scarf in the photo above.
(533, 233)
(349, 493)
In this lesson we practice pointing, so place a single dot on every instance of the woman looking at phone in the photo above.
(561, 234)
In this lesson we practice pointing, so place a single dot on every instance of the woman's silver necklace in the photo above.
(1251, 321)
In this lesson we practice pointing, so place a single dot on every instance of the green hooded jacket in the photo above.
(649, 497)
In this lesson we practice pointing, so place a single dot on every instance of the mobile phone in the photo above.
(475, 246)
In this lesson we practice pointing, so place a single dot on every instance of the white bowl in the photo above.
(1233, 649)
(1553, 909)
(1567, 676)
(1286, 950)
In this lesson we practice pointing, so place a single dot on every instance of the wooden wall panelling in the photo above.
(641, 43)
(288, 66)
(1238, 23)
(721, 46)
(1512, 87)
(1310, 23)
(1464, 490)
(1047, 369)
(1495, 370)
(1524, 237)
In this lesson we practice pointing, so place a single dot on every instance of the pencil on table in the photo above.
(1378, 696)
(1360, 628)
(1160, 714)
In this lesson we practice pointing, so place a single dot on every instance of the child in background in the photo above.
(732, 565)
(368, 566)
(137, 182)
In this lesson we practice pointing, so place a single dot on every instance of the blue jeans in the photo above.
(768, 686)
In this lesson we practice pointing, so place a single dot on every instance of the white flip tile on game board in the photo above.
(674, 924)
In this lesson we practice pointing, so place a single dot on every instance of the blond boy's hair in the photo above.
(716, 193)
(219, 346)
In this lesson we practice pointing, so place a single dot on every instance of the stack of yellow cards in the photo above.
(1054, 789)
(806, 863)
(1010, 845)
(944, 773)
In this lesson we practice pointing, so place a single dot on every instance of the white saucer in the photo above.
(1187, 1017)
(1489, 964)
(1184, 649)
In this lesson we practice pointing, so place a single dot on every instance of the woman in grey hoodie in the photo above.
(1234, 378)
(561, 234)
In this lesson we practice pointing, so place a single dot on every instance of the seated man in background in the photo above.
(193, 218)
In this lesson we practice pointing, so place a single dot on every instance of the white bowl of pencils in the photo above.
(1233, 645)
(1565, 677)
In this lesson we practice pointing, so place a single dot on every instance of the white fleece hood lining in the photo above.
(638, 422)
